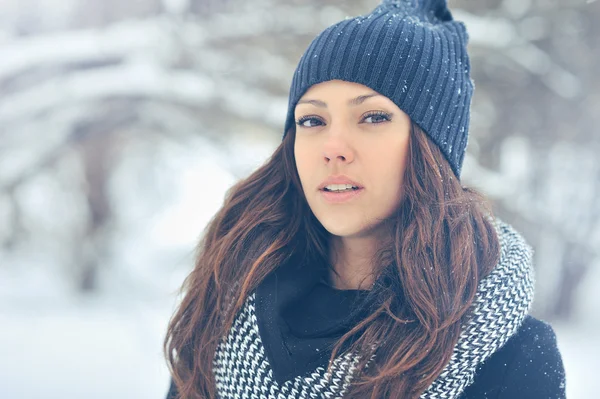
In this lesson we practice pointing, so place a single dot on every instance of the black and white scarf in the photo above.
(503, 300)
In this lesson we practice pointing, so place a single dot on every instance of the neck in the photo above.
(352, 261)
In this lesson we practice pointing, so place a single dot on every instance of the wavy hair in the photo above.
(442, 243)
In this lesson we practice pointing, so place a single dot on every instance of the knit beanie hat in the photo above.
(411, 51)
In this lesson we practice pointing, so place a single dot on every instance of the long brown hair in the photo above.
(442, 243)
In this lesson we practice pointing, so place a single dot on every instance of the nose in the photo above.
(336, 149)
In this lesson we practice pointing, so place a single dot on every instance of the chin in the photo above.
(346, 227)
(343, 228)
(342, 232)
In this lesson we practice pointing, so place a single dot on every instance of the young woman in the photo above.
(354, 264)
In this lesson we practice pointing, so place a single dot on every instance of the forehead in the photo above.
(337, 94)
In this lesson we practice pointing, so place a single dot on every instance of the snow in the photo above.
(516, 8)
(102, 348)
(133, 79)
(118, 40)
(580, 348)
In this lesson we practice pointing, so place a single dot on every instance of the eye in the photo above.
(378, 117)
(302, 121)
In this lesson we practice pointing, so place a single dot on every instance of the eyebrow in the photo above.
(355, 101)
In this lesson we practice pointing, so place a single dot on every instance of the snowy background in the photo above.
(122, 124)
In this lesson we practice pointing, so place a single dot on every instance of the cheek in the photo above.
(391, 186)
(391, 165)
(303, 162)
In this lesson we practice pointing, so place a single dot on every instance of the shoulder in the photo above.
(514, 246)
(529, 365)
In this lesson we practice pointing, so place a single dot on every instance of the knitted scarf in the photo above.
(503, 300)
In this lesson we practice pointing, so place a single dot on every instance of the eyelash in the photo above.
(300, 121)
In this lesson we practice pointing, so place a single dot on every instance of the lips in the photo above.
(343, 196)
(339, 179)
(333, 197)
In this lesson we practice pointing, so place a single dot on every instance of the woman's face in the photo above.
(354, 141)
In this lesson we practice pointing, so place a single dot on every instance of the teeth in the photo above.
(340, 187)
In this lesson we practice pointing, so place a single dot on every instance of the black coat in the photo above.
(528, 366)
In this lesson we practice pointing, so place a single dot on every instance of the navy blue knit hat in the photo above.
(411, 51)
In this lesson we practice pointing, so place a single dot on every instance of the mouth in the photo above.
(338, 195)
(340, 188)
